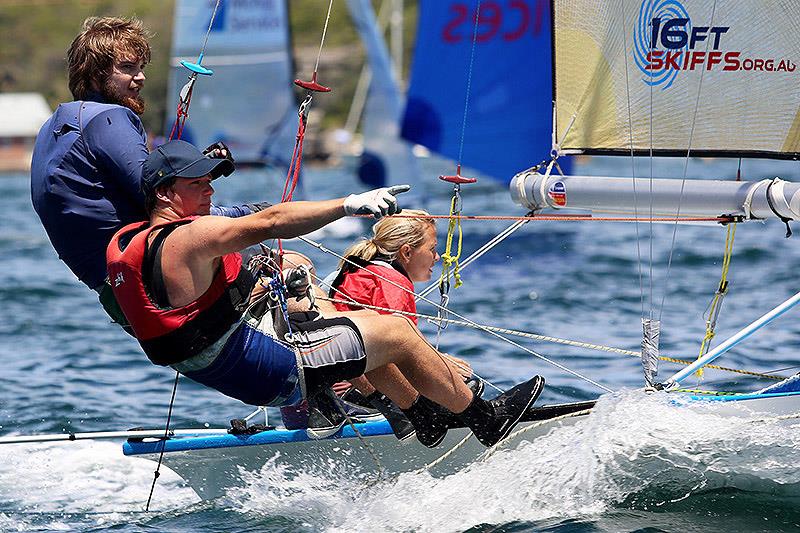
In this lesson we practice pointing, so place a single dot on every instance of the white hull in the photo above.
(210, 465)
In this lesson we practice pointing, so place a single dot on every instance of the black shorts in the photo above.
(331, 350)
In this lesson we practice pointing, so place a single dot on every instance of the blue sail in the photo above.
(509, 113)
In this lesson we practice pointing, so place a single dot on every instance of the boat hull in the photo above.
(210, 464)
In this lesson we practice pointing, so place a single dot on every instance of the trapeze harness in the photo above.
(365, 282)
(170, 335)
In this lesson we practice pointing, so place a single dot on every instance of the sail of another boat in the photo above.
(250, 104)
(507, 76)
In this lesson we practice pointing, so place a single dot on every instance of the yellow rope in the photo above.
(448, 259)
(722, 290)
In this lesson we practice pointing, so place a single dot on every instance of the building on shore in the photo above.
(23, 114)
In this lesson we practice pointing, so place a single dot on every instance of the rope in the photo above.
(447, 454)
(490, 451)
(715, 306)
(448, 259)
(157, 471)
(185, 96)
(568, 218)
(362, 440)
(556, 340)
(322, 248)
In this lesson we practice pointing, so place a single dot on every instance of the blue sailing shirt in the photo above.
(86, 182)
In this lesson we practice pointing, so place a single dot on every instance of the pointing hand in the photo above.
(378, 202)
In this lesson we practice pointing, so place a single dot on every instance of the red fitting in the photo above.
(458, 178)
(312, 85)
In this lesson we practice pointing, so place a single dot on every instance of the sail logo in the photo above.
(666, 42)
(558, 194)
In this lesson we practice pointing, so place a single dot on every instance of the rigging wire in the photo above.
(686, 168)
(633, 164)
(556, 340)
(544, 358)
(163, 441)
(185, 95)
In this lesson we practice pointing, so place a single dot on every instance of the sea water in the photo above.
(636, 463)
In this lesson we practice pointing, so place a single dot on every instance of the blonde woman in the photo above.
(381, 272)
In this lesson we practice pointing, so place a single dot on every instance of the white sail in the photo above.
(249, 101)
(677, 75)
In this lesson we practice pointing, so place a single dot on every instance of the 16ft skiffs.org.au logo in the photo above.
(667, 42)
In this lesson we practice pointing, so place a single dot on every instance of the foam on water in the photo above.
(51, 486)
(634, 451)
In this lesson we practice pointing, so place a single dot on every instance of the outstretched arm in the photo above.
(210, 236)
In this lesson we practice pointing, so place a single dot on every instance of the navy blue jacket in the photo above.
(86, 182)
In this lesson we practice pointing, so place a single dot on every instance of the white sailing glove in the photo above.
(377, 202)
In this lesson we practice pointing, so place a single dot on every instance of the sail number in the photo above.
(508, 21)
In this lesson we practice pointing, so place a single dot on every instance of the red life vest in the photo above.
(366, 285)
(169, 335)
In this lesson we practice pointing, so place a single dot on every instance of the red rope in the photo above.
(181, 113)
(293, 174)
(570, 218)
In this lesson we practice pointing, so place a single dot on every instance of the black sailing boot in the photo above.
(325, 415)
(429, 425)
(491, 421)
(401, 426)
(449, 419)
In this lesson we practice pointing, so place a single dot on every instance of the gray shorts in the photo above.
(330, 349)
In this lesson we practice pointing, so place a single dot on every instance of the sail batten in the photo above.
(673, 77)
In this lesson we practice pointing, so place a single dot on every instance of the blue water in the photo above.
(634, 467)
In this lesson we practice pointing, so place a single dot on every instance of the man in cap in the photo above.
(180, 281)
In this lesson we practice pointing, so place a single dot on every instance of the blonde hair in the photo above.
(390, 234)
(91, 54)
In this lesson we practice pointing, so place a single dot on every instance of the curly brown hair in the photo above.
(91, 55)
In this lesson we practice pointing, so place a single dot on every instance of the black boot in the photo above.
(447, 417)
(491, 421)
(325, 415)
(429, 425)
(401, 426)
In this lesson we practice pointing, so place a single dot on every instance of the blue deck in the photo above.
(226, 440)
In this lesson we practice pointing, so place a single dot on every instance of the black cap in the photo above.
(179, 159)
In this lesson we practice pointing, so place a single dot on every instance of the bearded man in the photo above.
(87, 161)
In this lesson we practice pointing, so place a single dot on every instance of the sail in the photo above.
(509, 112)
(248, 102)
(712, 78)
(387, 158)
